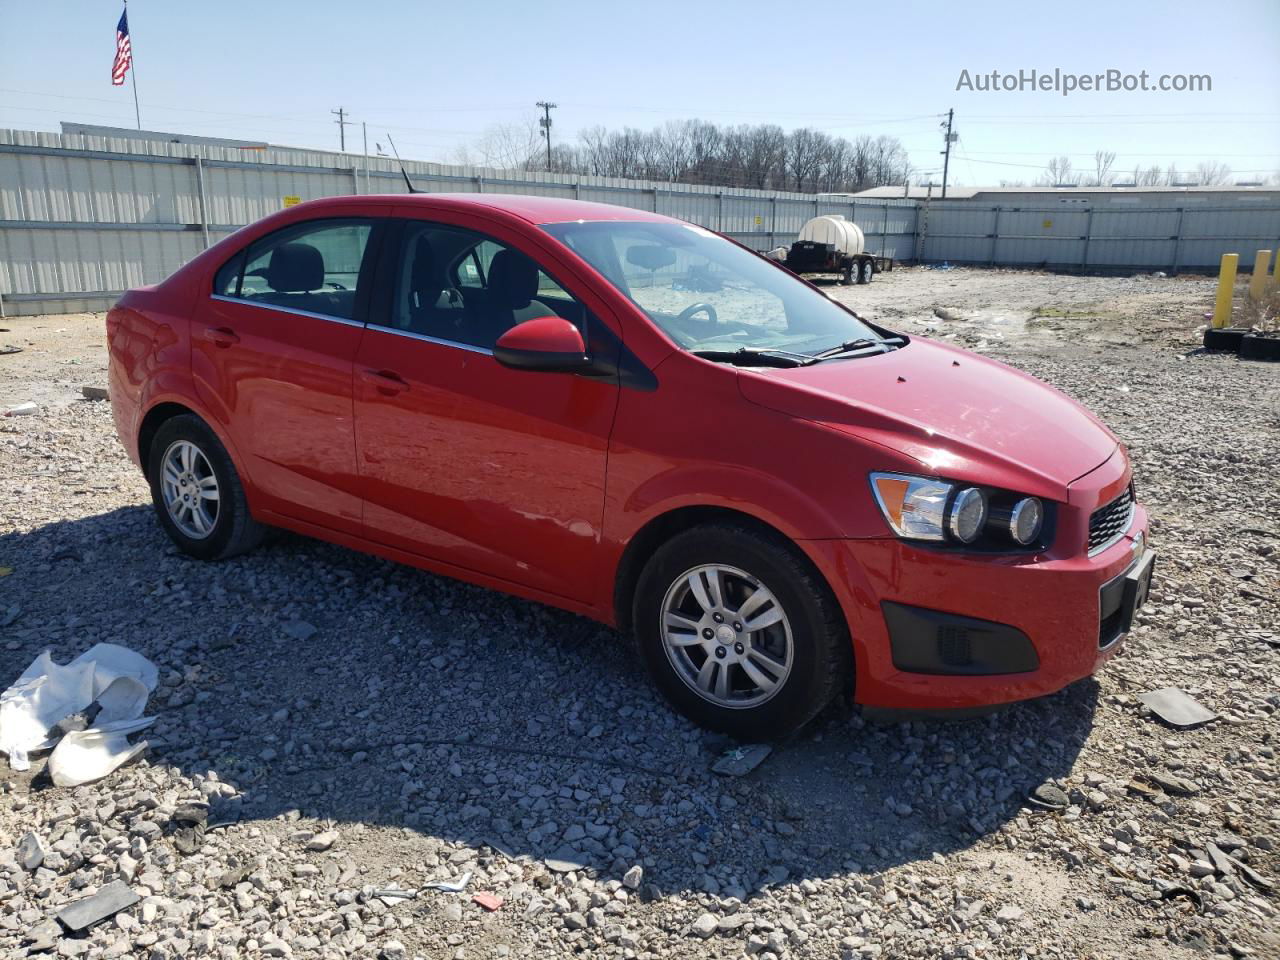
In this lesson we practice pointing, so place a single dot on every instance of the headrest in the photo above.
(295, 268)
(513, 278)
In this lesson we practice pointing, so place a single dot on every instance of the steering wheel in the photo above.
(700, 307)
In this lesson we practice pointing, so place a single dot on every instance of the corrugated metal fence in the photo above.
(1093, 237)
(83, 218)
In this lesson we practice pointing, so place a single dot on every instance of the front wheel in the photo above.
(739, 632)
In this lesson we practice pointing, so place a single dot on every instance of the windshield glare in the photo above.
(707, 293)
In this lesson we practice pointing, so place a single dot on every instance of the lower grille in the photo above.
(1108, 522)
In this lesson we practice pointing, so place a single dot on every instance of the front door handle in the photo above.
(386, 382)
(221, 336)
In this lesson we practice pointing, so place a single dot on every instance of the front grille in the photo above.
(1108, 522)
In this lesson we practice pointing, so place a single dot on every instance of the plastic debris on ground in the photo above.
(390, 896)
(84, 756)
(740, 761)
(1175, 707)
(90, 911)
(23, 410)
(565, 860)
(449, 886)
(489, 901)
(115, 680)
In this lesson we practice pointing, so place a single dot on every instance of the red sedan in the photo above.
(641, 421)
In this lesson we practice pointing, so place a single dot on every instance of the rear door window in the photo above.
(313, 267)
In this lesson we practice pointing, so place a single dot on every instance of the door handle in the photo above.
(221, 336)
(386, 382)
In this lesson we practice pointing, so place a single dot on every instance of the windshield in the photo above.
(709, 294)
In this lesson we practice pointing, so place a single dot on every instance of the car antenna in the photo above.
(403, 171)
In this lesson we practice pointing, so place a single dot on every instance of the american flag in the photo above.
(124, 51)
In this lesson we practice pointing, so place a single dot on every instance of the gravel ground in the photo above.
(358, 725)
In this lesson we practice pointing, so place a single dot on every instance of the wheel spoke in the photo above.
(707, 673)
(678, 621)
(184, 452)
(753, 603)
(758, 677)
(763, 658)
(715, 586)
(170, 473)
(722, 682)
(699, 590)
(197, 517)
(767, 619)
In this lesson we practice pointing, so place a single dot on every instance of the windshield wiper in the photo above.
(757, 356)
(860, 345)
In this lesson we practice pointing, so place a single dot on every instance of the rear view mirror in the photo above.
(549, 344)
(650, 256)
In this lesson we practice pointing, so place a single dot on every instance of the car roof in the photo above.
(533, 209)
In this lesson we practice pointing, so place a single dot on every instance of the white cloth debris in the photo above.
(115, 677)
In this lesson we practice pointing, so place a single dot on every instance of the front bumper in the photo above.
(1073, 609)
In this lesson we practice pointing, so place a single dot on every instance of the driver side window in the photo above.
(461, 287)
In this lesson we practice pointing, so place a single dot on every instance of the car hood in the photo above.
(959, 414)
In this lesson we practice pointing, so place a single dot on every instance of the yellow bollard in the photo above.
(1258, 280)
(1226, 288)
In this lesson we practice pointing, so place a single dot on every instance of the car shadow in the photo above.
(462, 718)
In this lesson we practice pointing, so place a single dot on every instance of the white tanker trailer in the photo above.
(832, 244)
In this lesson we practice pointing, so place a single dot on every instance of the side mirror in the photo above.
(549, 344)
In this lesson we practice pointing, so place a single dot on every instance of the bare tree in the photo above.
(1058, 171)
(510, 146)
(1102, 163)
(694, 151)
(1212, 173)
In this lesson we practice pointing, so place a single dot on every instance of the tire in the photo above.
(1255, 346)
(223, 527)
(1224, 338)
(866, 269)
(820, 663)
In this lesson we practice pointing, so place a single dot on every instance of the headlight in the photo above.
(914, 506)
(967, 515)
(1026, 520)
(983, 518)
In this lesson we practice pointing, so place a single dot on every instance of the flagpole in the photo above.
(133, 72)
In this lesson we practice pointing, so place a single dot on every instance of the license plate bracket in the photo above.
(1137, 587)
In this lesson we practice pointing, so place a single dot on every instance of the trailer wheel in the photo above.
(865, 269)
(847, 279)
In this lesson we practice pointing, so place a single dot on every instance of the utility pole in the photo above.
(545, 124)
(946, 154)
(342, 123)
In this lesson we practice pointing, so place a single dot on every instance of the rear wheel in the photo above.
(865, 271)
(197, 493)
(739, 633)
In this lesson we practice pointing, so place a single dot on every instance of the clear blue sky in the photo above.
(437, 74)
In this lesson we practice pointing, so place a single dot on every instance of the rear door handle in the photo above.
(221, 336)
(386, 382)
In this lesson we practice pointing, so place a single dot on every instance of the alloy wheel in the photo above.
(727, 636)
(190, 489)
